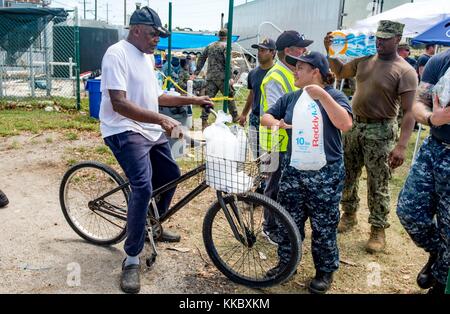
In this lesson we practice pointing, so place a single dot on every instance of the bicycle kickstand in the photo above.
(152, 258)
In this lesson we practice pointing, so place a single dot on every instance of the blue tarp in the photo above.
(438, 34)
(189, 41)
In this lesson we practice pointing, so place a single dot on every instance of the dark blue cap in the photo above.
(267, 43)
(292, 39)
(316, 59)
(148, 16)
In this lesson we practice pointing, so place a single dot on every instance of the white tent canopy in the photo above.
(417, 17)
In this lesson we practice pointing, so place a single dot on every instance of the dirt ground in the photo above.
(39, 252)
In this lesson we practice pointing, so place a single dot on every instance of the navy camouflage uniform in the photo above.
(426, 195)
(314, 195)
(424, 202)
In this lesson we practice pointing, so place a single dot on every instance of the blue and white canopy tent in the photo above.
(438, 34)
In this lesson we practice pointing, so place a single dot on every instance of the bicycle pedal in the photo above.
(150, 260)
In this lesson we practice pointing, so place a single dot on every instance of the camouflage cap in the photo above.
(223, 32)
(389, 29)
(404, 46)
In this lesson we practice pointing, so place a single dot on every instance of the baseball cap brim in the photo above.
(291, 60)
(304, 43)
(384, 35)
(256, 46)
(163, 32)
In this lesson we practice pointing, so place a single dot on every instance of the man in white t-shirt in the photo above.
(129, 115)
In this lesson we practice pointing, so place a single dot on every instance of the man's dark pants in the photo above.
(148, 165)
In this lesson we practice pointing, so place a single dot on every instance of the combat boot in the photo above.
(425, 279)
(347, 222)
(377, 240)
(321, 283)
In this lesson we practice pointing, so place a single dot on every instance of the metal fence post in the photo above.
(1, 74)
(77, 57)
(30, 60)
(46, 61)
(228, 57)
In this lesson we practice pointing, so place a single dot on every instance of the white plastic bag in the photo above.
(442, 89)
(308, 151)
(224, 152)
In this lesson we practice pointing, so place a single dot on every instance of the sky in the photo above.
(196, 14)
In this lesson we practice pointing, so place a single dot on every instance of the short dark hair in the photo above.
(428, 46)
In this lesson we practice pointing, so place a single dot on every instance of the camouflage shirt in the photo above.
(216, 55)
(183, 77)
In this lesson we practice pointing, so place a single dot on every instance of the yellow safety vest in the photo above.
(286, 79)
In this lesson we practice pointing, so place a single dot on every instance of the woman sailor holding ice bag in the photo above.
(313, 174)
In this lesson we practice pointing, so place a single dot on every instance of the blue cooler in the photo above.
(95, 97)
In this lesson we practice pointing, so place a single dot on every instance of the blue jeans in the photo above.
(148, 165)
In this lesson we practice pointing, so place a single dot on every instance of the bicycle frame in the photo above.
(175, 208)
(109, 208)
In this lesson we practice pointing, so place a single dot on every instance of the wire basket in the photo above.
(241, 169)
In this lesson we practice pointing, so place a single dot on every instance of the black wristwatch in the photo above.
(429, 121)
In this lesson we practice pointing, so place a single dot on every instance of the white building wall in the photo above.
(310, 17)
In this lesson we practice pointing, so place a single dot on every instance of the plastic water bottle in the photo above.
(352, 46)
(338, 44)
(361, 44)
(371, 44)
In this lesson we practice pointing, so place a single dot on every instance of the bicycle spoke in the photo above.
(85, 185)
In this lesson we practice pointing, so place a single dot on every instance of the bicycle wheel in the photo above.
(99, 220)
(248, 263)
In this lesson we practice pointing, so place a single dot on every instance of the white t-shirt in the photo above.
(126, 68)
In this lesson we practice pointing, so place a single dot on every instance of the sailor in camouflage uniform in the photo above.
(424, 203)
(313, 194)
(215, 53)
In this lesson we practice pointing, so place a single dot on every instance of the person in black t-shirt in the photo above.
(266, 56)
(430, 50)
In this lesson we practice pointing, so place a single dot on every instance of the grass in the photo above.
(32, 118)
(29, 103)
(14, 145)
(239, 100)
(399, 175)
(71, 136)
(99, 153)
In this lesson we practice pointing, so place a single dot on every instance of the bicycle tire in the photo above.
(116, 180)
(283, 219)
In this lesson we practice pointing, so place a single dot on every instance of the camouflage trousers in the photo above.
(424, 204)
(369, 145)
(212, 88)
(314, 195)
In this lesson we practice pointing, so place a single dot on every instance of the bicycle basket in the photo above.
(235, 169)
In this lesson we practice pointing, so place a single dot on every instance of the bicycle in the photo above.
(232, 226)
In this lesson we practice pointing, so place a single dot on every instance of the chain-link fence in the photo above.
(39, 54)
